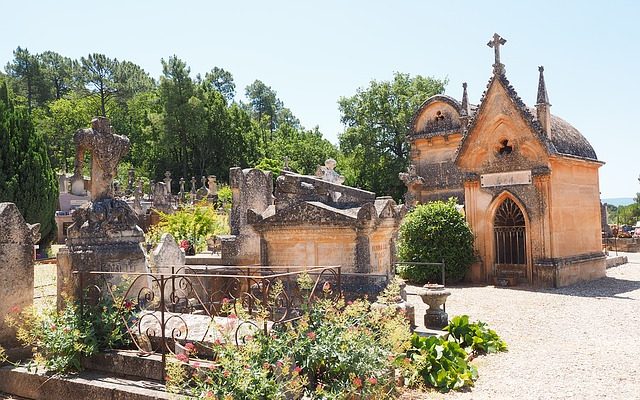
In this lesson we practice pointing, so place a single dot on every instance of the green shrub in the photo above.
(195, 224)
(475, 336)
(61, 339)
(434, 232)
(440, 363)
(334, 351)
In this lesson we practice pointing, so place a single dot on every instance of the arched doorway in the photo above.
(510, 241)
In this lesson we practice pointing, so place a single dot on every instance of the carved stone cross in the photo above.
(495, 43)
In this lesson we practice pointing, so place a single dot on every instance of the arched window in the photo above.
(510, 234)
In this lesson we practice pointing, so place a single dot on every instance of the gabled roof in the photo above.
(565, 139)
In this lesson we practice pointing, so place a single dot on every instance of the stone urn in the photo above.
(434, 296)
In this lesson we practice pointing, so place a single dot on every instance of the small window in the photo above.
(505, 148)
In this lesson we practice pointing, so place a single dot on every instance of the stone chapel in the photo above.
(528, 181)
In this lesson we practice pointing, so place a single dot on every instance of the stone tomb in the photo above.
(313, 220)
(104, 235)
(17, 239)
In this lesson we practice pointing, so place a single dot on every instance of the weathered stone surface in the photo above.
(167, 254)
(104, 235)
(17, 239)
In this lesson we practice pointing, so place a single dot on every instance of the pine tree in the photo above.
(26, 176)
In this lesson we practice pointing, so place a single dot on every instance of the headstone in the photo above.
(167, 254)
(213, 186)
(17, 239)
(104, 235)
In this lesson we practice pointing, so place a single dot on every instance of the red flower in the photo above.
(182, 357)
(128, 305)
(217, 342)
(372, 380)
(357, 382)
(53, 327)
(311, 335)
(15, 309)
(212, 367)
(226, 373)
(297, 370)
(210, 395)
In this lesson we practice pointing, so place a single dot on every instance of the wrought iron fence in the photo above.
(163, 312)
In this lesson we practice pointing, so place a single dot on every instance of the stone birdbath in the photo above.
(435, 296)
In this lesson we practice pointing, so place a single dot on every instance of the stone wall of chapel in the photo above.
(575, 208)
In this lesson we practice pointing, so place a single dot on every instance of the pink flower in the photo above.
(372, 380)
(190, 347)
(279, 364)
(226, 373)
(232, 316)
(225, 300)
(196, 365)
(53, 327)
(182, 357)
(217, 342)
(357, 382)
(326, 287)
(15, 309)
(212, 367)
(297, 370)
(66, 329)
(311, 335)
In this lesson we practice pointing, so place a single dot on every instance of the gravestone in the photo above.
(104, 235)
(16, 268)
(167, 254)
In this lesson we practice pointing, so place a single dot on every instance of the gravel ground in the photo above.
(578, 342)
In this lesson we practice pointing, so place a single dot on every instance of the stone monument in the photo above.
(17, 239)
(104, 235)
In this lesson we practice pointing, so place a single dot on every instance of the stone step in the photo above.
(93, 385)
(126, 363)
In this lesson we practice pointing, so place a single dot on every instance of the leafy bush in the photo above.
(476, 336)
(431, 233)
(335, 351)
(440, 363)
(225, 197)
(194, 224)
(62, 338)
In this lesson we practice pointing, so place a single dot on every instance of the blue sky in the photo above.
(312, 53)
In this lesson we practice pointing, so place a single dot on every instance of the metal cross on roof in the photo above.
(495, 43)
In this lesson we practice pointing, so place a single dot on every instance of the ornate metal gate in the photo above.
(510, 235)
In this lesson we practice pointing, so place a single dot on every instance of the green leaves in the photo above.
(440, 363)
(475, 336)
(431, 233)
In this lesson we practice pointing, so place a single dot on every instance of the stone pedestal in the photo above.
(104, 237)
(435, 296)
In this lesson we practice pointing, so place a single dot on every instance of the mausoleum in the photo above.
(528, 181)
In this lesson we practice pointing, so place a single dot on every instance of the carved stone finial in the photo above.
(413, 181)
(465, 101)
(543, 108)
(543, 98)
(495, 43)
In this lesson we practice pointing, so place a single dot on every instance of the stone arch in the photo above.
(507, 239)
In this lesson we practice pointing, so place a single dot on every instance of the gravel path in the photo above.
(578, 342)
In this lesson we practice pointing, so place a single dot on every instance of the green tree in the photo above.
(377, 121)
(59, 71)
(264, 105)
(222, 81)
(26, 176)
(98, 74)
(26, 70)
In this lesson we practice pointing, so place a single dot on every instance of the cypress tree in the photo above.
(26, 176)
